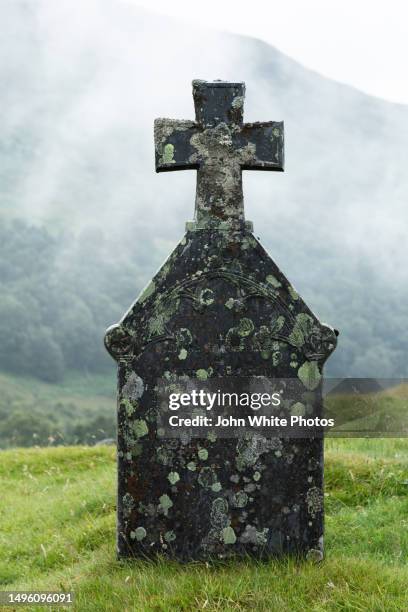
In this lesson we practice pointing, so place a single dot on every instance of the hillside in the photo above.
(76, 161)
(58, 533)
(81, 410)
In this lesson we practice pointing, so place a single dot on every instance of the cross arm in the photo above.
(173, 148)
(265, 139)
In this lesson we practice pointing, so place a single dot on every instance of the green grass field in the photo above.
(58, 533)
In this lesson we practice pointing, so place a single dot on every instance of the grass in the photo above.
(57, 514)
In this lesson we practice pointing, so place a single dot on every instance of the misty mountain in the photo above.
(81, 86)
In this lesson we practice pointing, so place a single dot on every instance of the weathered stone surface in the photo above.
(218, 307)
(219, 146)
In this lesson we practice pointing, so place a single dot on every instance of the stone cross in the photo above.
(219, 312)
(219, 146)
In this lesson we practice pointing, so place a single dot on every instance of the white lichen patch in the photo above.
(302, 329)
(182, 354)
(309, 375)
(228, 535)
(252, 536)
(134, 387)
(168, 154)
(206, 297)
(140, 428)
(272, 280)
(219, 513)
(239, 499)
(165, 504)
(314, 500)
(173, 477)
(169, 536)
(203, 454)
(298, 409)
(202, 374)
(138, 534)
(245, 327)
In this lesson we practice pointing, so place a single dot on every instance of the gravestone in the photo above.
(218, 309)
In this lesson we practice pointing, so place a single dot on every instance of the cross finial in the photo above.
(219, 146)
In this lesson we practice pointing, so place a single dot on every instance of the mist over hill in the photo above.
(81, 86)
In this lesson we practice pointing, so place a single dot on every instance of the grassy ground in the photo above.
(57, 517)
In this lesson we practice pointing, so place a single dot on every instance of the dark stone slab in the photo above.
(219, 307)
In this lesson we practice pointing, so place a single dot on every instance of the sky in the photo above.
(363, 43)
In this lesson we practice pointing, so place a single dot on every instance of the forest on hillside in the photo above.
(56, 299)
(59, 292)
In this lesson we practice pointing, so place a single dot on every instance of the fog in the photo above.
(82, 84)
